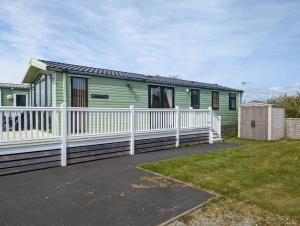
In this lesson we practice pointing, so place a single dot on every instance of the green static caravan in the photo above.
(54, 83)
(14, 95)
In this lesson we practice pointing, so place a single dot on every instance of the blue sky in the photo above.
(221, 41)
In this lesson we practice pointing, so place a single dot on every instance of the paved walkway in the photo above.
(105, 192)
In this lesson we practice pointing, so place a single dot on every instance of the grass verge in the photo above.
(260, 173)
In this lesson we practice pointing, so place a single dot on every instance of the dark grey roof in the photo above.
(13, 85)
(84, 70)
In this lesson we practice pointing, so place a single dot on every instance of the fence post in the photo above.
(64, 129)
(191, 117)
(132, 129)
(239, 122)
(177, 126)
(220, 127)
(210, 125)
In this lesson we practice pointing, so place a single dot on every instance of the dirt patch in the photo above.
(148, 182)
(223, 212)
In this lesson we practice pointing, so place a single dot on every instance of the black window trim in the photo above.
(212, 92)
(229, 97)
(160, 86)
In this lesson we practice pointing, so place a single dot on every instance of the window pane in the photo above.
(161, 97)
(167, 97)
(43, 93)
(232, 101)
(32, 95)
(233, 104)
(195, 99)
(155, 97)
(215, 99)
(170, 95)
(49, 93)
(20, 100)
(37, 95)
(79, 92)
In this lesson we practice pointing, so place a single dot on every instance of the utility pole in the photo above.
(243, 88)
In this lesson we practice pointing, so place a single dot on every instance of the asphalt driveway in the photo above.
(105, 192)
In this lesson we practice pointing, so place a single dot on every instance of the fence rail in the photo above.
(20, 124)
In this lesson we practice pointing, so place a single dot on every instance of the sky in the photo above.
(217, 41)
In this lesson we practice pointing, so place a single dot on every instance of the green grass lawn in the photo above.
(266, 174)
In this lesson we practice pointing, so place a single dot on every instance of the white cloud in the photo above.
(212, 41)
(254, 93)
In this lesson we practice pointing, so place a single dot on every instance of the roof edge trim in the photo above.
(32, 69)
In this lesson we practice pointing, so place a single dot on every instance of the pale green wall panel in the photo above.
(121, 96)
(205, 98)
(229, 117)
(8, 91)
(59, 89)
(182, 98)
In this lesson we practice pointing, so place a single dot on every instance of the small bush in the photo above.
(290, 103)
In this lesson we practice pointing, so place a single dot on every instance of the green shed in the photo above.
(54, 83)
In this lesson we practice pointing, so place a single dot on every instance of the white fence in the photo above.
(27, 124)
(37, 125)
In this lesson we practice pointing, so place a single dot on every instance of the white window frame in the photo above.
(20, 93)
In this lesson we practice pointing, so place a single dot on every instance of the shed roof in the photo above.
(260, 104)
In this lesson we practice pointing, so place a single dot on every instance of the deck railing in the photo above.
(154, 119)
(96, 121)
(216, 123)
(30, 123)
(26, 124)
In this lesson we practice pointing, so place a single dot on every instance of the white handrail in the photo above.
(20, 124)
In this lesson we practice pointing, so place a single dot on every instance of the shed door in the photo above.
(246, 131)
(258, 115)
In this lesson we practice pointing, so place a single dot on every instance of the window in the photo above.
(20, 99)
(161, 97)
(232, 101)
(155, 97)
(215, 99)
(195, 98)
(42, 91)
(79, 92)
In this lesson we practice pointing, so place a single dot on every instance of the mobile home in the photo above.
(54, 83)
